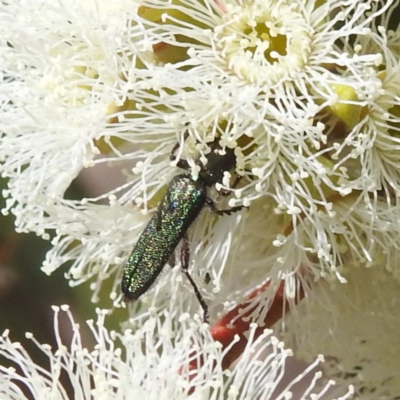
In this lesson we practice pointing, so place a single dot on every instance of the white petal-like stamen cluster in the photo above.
(155, 363)
(77, 81)
(307, 93)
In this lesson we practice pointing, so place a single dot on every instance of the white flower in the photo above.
(84, 87)
(155, 363)
(306, 93)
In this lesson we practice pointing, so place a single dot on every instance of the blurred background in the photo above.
(27, 293)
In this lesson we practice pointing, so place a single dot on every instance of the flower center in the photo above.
(262, 37)
(263, 42)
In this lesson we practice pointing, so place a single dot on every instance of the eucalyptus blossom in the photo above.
(306, 93)
(154, 363)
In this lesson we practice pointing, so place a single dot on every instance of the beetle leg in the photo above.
(210, 203)
(185, 257)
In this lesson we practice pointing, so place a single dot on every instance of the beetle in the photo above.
(184, 199)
